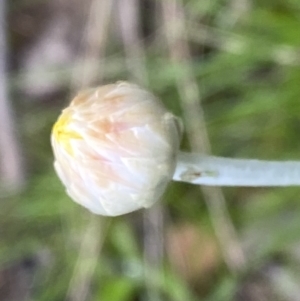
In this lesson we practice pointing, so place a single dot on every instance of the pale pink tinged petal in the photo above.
(151, 139)
(105, 151)
(85, 200)
(115, 148)
(103, 173)
(160, 129)
(138, 113)
(61, 173)
(116, 203)
(142, 169)
(115, 106)
(127, 143)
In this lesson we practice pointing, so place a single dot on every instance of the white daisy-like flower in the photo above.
(115, 148)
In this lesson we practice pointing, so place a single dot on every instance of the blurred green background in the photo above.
(231, 70)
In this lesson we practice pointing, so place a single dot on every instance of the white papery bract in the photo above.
(115, 148)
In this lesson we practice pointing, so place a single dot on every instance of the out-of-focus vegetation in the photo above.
(244, 57)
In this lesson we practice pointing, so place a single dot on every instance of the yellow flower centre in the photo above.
(63, 134)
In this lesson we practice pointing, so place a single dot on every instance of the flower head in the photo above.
(115, 148)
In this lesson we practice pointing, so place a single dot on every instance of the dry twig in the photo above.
(12, 170)
(88, 71)
(153, 218)
(174, 26)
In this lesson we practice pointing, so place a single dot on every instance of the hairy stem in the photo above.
(218, 171)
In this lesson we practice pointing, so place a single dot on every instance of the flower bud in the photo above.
(115, 148)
